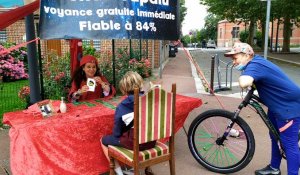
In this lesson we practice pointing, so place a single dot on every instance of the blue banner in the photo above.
(109, 19)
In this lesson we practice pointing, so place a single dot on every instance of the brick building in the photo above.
(228, 33)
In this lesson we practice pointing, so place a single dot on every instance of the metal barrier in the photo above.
(212, 74)
(227, 65)
(217, 61)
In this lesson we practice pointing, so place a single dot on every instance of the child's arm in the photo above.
(117, 131)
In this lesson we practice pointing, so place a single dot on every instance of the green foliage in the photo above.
(185, 40)
(232, 10)
(182, 11)
(254, 11)
(88, 50)
(211, 26)
(203, 35)
(12, 65)
(9, 100)
(124, 63)
(57, 79)
(259, 39)
(20, 53)
(244, 36)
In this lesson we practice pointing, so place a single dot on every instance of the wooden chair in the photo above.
(154, 119)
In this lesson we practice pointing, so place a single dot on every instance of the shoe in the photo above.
(128, 171)
(148, 171)
(234, 133)
(268, 170)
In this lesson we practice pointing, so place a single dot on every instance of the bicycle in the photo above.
(215, 148)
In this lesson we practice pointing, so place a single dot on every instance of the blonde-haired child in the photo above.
(122, 122)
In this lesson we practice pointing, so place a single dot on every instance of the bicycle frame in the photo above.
(255, 102)
(218, 149)
(264, 117)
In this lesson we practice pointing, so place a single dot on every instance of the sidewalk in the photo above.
(179, 70)
(292, 58)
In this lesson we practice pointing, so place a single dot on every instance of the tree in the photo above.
(244, 35)
(185, 40)
(182, 12)
(289, 11)
(254, 11)
(203, 34)
(211, 26)
(233, 10)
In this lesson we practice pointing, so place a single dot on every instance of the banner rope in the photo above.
(202, 75)
(7, 51)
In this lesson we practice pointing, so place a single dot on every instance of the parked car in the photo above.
(211, 44)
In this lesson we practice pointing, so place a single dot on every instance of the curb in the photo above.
(283, 60)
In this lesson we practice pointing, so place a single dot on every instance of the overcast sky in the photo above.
(195, 15)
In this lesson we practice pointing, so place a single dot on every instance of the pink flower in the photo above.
(132, 61)
(24, 93)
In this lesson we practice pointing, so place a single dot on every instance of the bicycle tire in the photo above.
(225, 151)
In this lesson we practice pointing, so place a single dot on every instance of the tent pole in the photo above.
(113, 61)
(34, 80)
(140, 48)
(130, 50)
(40, 63)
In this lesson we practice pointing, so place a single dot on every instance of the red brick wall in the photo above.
(295, 39)
(16, 34)
(153, 52)
(224, 38)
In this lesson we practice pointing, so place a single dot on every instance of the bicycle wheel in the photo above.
(233, 154)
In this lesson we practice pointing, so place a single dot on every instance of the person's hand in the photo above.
(98, 80)
(84, 89)
(105, 87)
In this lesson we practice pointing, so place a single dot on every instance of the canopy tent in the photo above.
(11, 16)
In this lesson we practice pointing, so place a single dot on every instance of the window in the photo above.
(220, 33)
(3, 36)
(95, 43)
(235, 32)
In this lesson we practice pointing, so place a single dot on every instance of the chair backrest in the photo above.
(155, 115)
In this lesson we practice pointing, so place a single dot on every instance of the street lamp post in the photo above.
(267, 27)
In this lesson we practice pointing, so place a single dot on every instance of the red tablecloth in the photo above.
(69, 143)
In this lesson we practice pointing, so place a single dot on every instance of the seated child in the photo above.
(127, 84)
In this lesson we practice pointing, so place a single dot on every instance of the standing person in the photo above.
(282, 97)
(122, 124)
(89, 69)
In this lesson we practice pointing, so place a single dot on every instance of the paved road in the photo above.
(204, 57)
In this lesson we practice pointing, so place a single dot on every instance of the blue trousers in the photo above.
(288, 130)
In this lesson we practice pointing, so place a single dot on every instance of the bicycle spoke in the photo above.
(203, 134)
(218, 155)
(215, 152)
(231, 155)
